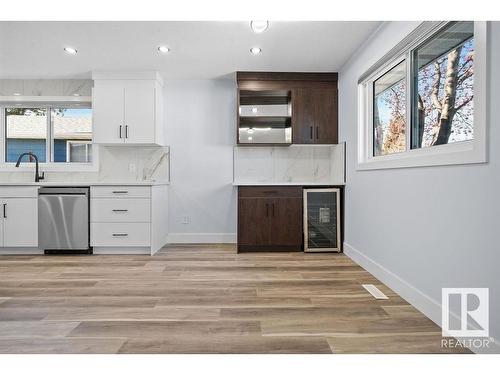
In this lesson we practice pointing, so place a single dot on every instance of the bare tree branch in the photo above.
(435, 87)
(464, 103)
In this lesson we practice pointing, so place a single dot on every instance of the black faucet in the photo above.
(32, 156)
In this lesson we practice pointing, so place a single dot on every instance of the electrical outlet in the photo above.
(131, 168)
(185, 220)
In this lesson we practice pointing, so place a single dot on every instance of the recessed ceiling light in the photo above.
(250, 131)
(70, 50)
(250, 138)
(163, 49)
(16, 94)
(254, 110)
(76, 94)
(255, 50)
(259, 26)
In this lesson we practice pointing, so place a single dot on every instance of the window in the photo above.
(26, 130)
(79, 152)
(55, 133)
(72, 127)
(424, 103)
(444, 77)
(389, 121)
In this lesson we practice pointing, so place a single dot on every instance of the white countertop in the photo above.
(274, 183)
(84, 183)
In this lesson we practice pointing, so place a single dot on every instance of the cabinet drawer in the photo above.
(111, 210)
(120, 234)
(120, 191)
(269, 191)
(18, 191)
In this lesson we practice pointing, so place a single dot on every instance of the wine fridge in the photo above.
(322, 220)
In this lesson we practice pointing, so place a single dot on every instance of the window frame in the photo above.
(464, 152)
(48, 165)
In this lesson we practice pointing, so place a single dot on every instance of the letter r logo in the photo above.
(465, 312)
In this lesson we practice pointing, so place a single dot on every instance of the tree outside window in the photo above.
(444, 79)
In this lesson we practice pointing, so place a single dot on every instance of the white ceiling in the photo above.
(199, 50)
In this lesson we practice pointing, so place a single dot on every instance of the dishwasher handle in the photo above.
(63, 191)
(63, 195)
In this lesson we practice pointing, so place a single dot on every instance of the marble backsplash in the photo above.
(295, 163)
(46, 87)
(116, 164)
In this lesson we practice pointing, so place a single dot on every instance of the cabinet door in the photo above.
(286, 222)
(314, 115)
(303, 115)
(108, 112)
(140, 113)
(253, 221)
(1, 225)
(20, 222)
(326, 118)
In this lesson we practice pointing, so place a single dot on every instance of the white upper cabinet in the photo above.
(139, 112)
(108, 108)
(128, 109)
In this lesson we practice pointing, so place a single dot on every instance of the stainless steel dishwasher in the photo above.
(63, 219)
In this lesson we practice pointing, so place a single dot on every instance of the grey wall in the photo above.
(422, 229)
(200, 118)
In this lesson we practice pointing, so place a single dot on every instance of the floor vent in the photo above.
(374, 291)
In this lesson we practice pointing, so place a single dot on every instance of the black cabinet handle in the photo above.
(120, 132)
(120, 192)
(119, 210)
(5, 210)
(126, 131)
(317, 132)
(120, 234)
(267, 209)
(311, 132)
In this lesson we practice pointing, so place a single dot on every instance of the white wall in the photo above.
(200, 120)
(422, 229)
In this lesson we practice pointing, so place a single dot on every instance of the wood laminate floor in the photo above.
(203, 299)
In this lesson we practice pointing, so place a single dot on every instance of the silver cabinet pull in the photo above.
(126, 131)
(120, 191)
(120, 234)
(5, 210)
(119, 210)
(120, 132)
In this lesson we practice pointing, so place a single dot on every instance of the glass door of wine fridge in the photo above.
(322, 220)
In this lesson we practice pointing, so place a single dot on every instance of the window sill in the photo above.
(62, 167)
(452, 154)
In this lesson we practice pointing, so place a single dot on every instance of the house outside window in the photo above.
(57, 134)
(424, 102)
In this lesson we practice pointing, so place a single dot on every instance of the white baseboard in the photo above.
(421, 301)
(20, 251)
(121, 250)
(175, 238)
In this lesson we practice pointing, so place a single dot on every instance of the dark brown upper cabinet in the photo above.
(314, 115)
(287, 108)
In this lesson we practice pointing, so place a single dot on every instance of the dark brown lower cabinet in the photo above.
(270, 218)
